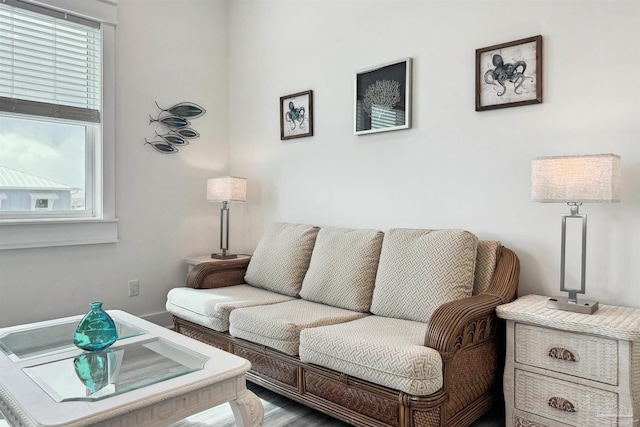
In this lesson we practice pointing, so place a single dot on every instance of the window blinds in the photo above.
(49, 63)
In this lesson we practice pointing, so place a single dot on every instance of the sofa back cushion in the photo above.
(420, 270)
(486, 259)
(281, 258)
(343, 268)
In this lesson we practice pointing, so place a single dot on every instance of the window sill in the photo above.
(22, 234)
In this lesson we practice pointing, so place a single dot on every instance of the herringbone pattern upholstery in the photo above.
(385, 351)
(343, 268)
(281, 258)
(211, 307)
(420, 270)
(278, 326)
(486, 258)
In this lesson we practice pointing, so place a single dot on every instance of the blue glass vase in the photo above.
(96, 330)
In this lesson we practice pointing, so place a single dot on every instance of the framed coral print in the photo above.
(296, 115)
(383, 98)
(509, 74)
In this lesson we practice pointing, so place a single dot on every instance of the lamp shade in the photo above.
(581, 179)
(227, 189)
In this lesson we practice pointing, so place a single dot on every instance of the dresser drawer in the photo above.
(524, 419)
(583, 356)
(573, 404)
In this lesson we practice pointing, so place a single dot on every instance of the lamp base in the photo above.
(227, 256)
(582, 306)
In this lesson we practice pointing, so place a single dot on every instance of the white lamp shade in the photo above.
(227, 189)
(580, 179)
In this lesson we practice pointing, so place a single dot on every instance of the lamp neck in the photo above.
(574, 207)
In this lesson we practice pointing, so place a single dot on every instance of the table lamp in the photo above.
(575, 180)
(226, 189)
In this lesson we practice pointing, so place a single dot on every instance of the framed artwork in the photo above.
(296, 115)
(509, 74)
(383, 98)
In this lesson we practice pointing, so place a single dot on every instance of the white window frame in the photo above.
(102, 227)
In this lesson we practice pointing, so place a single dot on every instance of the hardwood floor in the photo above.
(280, 411)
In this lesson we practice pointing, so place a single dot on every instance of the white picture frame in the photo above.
(382, 98)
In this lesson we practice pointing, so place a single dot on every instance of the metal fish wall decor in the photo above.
(173, 139)
(188, 110)
(187, 133)
(173, 122)
(176, 119)
(162, 147)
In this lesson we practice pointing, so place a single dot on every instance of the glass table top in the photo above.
(38, 341)
(96, 375)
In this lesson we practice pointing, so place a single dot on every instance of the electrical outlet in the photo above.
(134, 288)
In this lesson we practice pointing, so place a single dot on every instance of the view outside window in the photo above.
(50, 99)
(42, 165)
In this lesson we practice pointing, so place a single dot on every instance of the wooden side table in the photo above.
(198, 259)
(571, 369)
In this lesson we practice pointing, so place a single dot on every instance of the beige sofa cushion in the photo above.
(385, 351)
(343, 268)
(281, 258)
(278, 326)
(420, 270)
(486, 258)
(211, 307)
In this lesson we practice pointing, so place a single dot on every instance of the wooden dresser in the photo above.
(570, 369)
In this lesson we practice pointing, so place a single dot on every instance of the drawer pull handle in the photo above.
(561, 404)
(562, 354)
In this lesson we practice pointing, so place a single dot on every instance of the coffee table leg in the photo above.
(247, 410)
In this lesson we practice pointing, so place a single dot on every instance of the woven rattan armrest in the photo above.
(469, 321)
(217, 274)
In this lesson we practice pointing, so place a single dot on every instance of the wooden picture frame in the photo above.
(383, 98)
(296, 115)
(509, 74)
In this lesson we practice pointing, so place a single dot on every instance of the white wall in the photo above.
(455, 167)
(167, 51)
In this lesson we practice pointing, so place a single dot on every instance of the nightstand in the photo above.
(199, 259)
(571, 369)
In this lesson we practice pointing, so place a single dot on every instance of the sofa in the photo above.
(372, 328)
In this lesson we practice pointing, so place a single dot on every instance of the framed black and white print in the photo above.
(509, 74)
(296, 115)
(383, 98)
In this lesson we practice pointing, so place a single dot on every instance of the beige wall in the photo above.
(456, 167)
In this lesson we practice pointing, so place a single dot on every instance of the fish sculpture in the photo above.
(187, 133)
(173, 122)
(173, 139)
(176, 118)
(162, 146)
(187, 110)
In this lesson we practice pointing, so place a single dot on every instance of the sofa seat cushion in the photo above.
(343, 268)
(211, 307)
(420, 270)
(385, 351)
(278, 326)
(282, 257)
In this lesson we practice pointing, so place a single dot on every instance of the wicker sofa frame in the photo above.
(465, 332)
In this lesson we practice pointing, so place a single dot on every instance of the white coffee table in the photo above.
(151, 376)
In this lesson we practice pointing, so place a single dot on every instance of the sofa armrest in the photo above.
(470, 321)
(218, 274)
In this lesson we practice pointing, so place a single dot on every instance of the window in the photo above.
(50, 98)
(56, 122)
